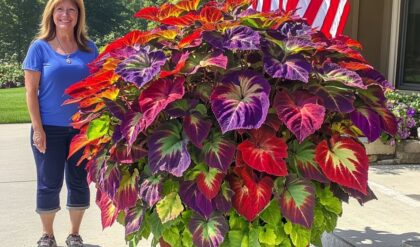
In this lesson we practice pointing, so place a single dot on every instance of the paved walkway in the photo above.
(19, 224)
(387, 222)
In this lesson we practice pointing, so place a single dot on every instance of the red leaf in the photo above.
(148, 13)
(210, 15)
(158, 95)
(302, 115)
(188, 5)
(344, 161)
(180, 65)
(250, 197)
(209, 182)
(90, 85)
(192, 40)
(108, 211)
(78, 142)
(265, 152)
(183, 21)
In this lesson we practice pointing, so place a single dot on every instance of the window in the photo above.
(409, 58)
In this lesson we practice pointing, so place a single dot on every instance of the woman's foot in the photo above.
(47, 241)
(74, 240)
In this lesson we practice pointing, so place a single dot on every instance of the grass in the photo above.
(13, 106)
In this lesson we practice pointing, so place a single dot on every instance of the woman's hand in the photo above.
(39, 140)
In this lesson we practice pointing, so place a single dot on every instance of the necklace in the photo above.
(68, 60)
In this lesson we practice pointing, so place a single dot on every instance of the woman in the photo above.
(55, 60)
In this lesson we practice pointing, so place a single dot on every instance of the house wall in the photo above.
(369, 22)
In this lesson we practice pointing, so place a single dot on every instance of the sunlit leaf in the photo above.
(344, 161)
(297, 202)
(169, 207)
(241, 101)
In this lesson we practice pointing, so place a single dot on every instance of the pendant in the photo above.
(68, 60)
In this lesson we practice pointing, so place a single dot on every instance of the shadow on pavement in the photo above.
(371, 237)
(393, 169)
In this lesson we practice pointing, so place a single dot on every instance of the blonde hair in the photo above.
(47, 25)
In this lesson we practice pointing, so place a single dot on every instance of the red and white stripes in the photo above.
(329, 16)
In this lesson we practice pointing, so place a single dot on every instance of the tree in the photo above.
(18, 24)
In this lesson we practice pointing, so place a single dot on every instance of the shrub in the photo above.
(224, 126)
(406, 108)
(11, 74)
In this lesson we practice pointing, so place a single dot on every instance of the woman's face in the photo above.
(65, 16)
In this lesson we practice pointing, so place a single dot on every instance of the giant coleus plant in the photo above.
(228, 127)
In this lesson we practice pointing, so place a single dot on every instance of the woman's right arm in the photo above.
(32, 79)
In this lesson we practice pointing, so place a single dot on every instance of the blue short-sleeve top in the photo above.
(56, 76)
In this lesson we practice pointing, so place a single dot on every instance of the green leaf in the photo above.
(268, 236)
(155, 225)
(235, 238)
(329, 201)
(170, 186)
(202, 109)
(271, 215)
(98, 127)
(169, 207)
(254, 234)
(187, 238)
(299, 235)
(237, 222)
(171, 236)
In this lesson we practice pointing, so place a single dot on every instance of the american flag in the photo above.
(329, 16)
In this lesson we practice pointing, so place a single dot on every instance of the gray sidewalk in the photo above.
(19, 224)
(394, 218)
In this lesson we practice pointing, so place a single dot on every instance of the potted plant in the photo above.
(227, 127)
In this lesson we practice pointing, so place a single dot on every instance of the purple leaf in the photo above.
(196, 128)
(241, 101)
(194, 199)
(336, 97)
(151, 190)
(209, 232)
(368, 121)
(111, 180)
(141, 67)
(241, 38)
(132, 125)
(294, 67)
(334, 72)
(219, 152)
(168, 149)
(122, 154)
(115, 108)
(215, 39)
(133, 219)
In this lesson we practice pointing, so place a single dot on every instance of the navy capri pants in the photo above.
(51, 168)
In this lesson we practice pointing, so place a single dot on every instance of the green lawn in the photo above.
(13, 106)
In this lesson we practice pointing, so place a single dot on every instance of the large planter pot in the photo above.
(379, 150)
(408, 152)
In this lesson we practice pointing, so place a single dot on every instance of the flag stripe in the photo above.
(292, 4)
(266, 6)
(302, 7)
(275, 5)
(343, 20)
(320, 16)
(337, 18)
(312, 10)
(329, 18)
